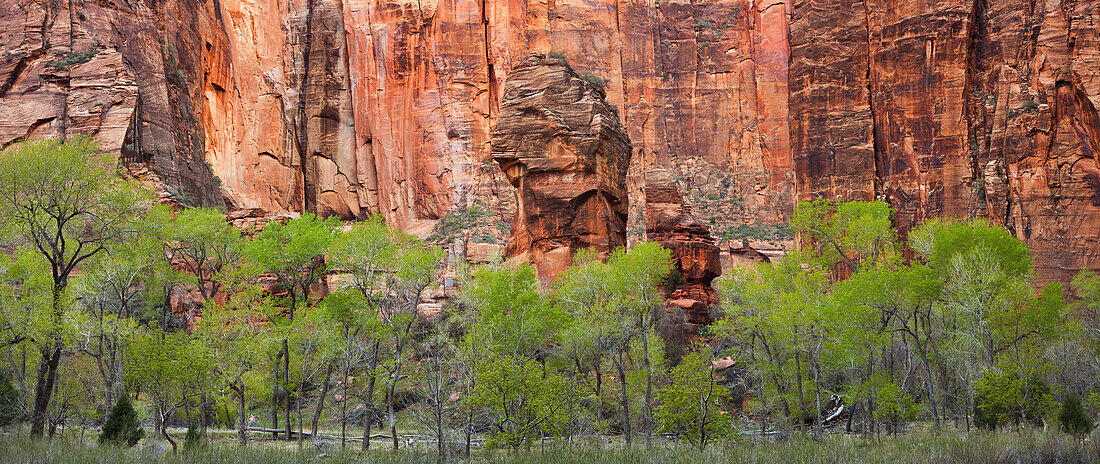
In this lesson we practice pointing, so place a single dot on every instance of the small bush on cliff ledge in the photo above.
(596, 81)
(558, 56)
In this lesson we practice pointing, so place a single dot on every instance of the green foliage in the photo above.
(691, 402)
(1004, 397)
(1073, 418)
(173, 368)
(524, 400)
(757, 232)
(11, 402)
(206, 245)
(456, 223)
(293, 252)
(193, 439)
(73, 58)
(854, 234)
(65, 202)
(674, 281)
(511, 315)
(558, 56)
(942, 243)
(123, 428)
(597, 82)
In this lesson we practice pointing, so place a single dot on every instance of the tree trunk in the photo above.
(321, 399)
(243, 419)
(469, 430)
(801, 398)
(624, 402)
(164, 432)
(298, 410)
(275, 398)
(203, 407)
(47, 368)
(817, 394)
(599, 388)
(44, 386)
(648, 391)
(344, 409)
(370, 395)
(389, 405)
(286, 388)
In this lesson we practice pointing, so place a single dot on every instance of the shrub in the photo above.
(1073, 418)
(674, 281)
(598, 82)
(193, 439)
(1004, 397)
(73, 58)
(558, 56)
(123, 428)
(10, 399)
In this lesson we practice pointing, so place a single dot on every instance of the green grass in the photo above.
(946, 447)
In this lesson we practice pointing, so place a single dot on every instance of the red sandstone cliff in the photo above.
(350, 107)
(566, 152)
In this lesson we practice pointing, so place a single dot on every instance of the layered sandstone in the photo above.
(564, 150)
(353, 107)
(695, 257)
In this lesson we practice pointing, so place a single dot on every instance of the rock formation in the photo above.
(695, 257)
(353, 107)
(565, 151)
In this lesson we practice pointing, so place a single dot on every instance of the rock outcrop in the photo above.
(695, 257)
(353, 107)
(565, 151)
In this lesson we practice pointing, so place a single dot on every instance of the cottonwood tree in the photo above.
(314, 342)
(415, 268)
(172, 369)
(437, 387)
(68, 203)
(357, 327)
(24, 290)
(512, 326)
(239, 335)
(986, 301)
(120, 289)
(203, 243)
(365, 254)
(691, 404)
(620, 297)
(635, 278)
(293, 254)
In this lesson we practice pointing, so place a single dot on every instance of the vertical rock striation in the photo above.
(565, 151)
(981, 108)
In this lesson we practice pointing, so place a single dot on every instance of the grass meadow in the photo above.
(1029, 446)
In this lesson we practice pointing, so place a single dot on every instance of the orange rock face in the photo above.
(354, 107)
(696, 258)
(565, 151)
(958, 109)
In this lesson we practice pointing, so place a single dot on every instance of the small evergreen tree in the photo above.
(10, 410)
(1073, 418)
(193, 439)
(123, 428)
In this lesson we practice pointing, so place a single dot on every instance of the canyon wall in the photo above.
(564, 150)
(354, 107)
